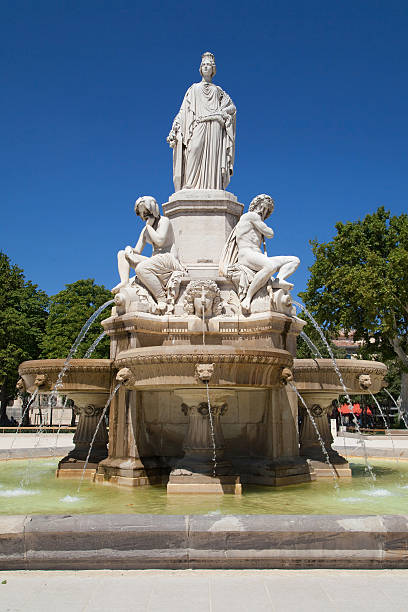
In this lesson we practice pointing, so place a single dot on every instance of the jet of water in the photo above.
(311, 345)
(29, 404)
(340, 377)
(58, 384)
(212, 432)
(112, 395)
(94, 345)
(76, 344)
(326, 454)
(387, 430)
(396, 405)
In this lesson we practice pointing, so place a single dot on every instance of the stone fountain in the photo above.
(203, 337)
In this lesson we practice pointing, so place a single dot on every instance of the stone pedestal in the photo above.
(124, 465)
(202, 221)
(89, 416)
(319, 404)
(203, 468)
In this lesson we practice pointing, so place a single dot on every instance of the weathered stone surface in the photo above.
(230, 541)
(12, 549)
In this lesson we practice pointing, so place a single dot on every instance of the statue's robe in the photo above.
(204, 153)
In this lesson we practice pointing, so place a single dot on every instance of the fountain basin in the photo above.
(87, 382)
(319, 375)
(319, 384)
(206, 531)
(175, 366)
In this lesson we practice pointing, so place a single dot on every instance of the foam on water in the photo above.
(70, 499)
(378, 492)
(17, 492)
(351, 499)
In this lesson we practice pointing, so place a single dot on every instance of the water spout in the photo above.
(94, 345)
(212, 432)
(311, 345)
(112, 395)
(400, 412)
(323, 447)
(29, 404)
(387, 429)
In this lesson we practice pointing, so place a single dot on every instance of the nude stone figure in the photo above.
(153, 272)
(243, 252)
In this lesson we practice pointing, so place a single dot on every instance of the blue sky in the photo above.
(90, 90)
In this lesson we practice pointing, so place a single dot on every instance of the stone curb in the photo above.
(146, 541)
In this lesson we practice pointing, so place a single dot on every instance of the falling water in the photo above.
(357, 426)
(112, 395)
(311, 345)
(29, 404)
(54, 450)
(75, 346)
(212, 432)
(326, 454)
(387, 429)
(94, 345)
(203, 312)
(399, 411)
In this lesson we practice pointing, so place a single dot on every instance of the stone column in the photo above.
(197, 472)
(199, 444)
(319, 405)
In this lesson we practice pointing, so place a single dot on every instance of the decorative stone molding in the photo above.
(316, 410)
(20, 386)
(88, 411)
(125, 377)
(364, 382)
(204, 371)
(286, 376)
(41, 380)
(203, 294)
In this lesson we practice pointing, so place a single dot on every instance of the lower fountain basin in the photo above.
(47, 495)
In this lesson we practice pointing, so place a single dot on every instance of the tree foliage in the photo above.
(23, 315)
(359, 281)
(69, 310)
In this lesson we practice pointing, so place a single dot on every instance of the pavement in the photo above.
(205, 590)
(387, 446)
(22, 445)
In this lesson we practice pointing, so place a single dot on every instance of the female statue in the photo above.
(203, 134)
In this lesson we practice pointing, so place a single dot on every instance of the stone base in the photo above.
(131, 472)
(322, 470)
(274, 473)
(129, 481)
(76, 473)
(207, 485)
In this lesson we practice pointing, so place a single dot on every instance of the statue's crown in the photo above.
(208, 55)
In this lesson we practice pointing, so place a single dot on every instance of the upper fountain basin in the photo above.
(176, 366)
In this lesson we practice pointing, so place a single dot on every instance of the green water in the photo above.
(44, 494)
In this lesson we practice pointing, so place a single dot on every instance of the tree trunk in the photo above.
(3, 405)
(404, 393)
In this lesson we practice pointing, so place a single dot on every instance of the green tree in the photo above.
(23, 315)
(359, 281)
(68, 312)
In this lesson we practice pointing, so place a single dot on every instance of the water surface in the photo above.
(45, 494)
